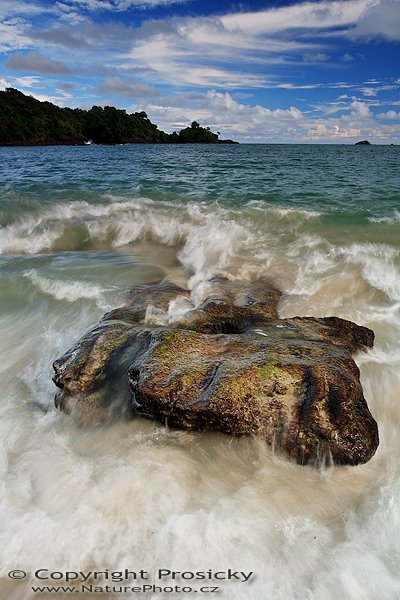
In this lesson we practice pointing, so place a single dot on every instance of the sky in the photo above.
(324, 71)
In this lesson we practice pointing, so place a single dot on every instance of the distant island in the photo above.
(363, 143)
(25, 121)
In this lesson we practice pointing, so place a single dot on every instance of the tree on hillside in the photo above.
(26, 120)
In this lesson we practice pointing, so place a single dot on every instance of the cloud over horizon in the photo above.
(288, 64)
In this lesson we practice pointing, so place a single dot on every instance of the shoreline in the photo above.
(29, 144)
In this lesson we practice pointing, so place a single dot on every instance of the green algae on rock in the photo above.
(302, 396)
(230, 365)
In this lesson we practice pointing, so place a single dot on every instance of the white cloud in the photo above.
(372, 90)
(221, 112)
(13, 36)
(390, 115)
(307, 15)
(204, 76)
(175, 60)
(117, 5)
(204, 51)
(293, 86)
(360, 109)
(244, 122)
(347, 57)
(331, 108)
(195, 50)
(24, 82)
(60, 99)
(212, 33)
(315, 57)
(381, 19)
(29, 86)
(228, 52)
(19, 82)
(69, 14)
(369, 91)
(11, 9)
(233, 51)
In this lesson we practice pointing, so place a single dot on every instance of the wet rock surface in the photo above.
(229, 365)
(143, 297)
(233, 307)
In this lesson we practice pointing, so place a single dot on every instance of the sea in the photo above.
(79, 227)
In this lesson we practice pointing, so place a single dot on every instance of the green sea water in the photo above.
(79, 226)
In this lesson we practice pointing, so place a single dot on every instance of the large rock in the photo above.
(230, 365)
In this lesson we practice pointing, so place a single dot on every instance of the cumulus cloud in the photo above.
(222, 112)
(390, 115)
(245, 122)
(360, 109)
(35, 64)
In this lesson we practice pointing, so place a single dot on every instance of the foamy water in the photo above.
(138, 495)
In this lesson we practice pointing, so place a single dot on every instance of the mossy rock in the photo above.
(230, 365)
(302, 396)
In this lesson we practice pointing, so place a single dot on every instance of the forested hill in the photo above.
(27, 121)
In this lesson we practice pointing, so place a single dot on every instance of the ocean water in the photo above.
(79, 227)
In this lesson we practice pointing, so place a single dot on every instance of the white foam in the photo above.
(378, 265)
(66, 290)
(284, 212)
(178, 308)
(40, 232)
(390, 220)
(380, 356)
(28, 237)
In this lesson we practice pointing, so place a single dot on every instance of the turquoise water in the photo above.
(79, 227)
(348, 179)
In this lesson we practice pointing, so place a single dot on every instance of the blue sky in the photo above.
(326, 71)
